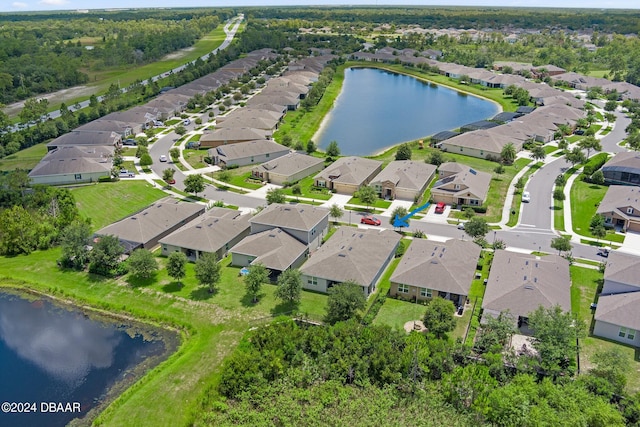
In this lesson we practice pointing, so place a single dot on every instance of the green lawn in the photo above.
(309, 190)
(379, 203)
(585, 283)
(585, 199)
(195, 157)
(395, 313)
(240, 177)
(107, 202)
(24, 159)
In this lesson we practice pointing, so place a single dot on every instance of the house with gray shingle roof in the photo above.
(308, 224)
(289, 168)
(228, 136)
(351, 254)
(621, 207)
(247, 153)
(623, 169)
(85, 139)
(460, 185)
(429, 269)
(347, 174)
(144, 229)
(72, 165)
(520, 283)
(275, 249)
(617, 316)
(403, 179)
(480, 144)
(217, 231)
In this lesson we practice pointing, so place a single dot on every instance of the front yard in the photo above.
(585, 198)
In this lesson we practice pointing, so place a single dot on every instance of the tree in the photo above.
(174, 153)
(180, 130)
(258, 274)
(403, 152)
(611, 366)
(296, 190)
(176, 266)
(633, 140)
(208, 270)
(596, 221)
(597, 177)
(344, 302)
(194, 183)
(476, 227)
(146, 160)
(538, 153)
(167, 174)
(275, 195)
(508, 153)
(286, 140)
(142, 263)
(561, 244)
(311, 147)
(499, 169)
(590, 143)
(367, 195)
(333, 150)
(610, 117)
(610, 105)
(438, 318)
(435, 158)
(336, 212)
(563, 144)
(468, 213)
(289, 286)
(558, 194)
(599, 232)
(555, 332)
(575, 156)
(398, 211)
(73, 244)
(104, 258)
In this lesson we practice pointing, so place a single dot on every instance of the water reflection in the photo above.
(64, 344)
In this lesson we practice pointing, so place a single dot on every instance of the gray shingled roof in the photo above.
(352, 254)
(628, 161)
(79, 137)
(618, 198)
(623, 268)
(619, 309)
(471, 183)
(521, 283)
(211, 231)
(241, 150)
(152, 221)
(446, 267)
(349, 170)
(74, 160)
(289, 164)
(235, 134)
(295, 217)
(406, 174)
(274, 248)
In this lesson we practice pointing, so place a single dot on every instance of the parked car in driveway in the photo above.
(126, 174)
(440, 206)
(370, 220)
(526, 197)
(163, 158)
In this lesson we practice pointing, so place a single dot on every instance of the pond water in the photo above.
(377, 109)
(55, 354)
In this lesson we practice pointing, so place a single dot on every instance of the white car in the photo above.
(163, 158)
(526, 197)
(461, 226)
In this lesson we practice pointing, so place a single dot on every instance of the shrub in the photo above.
(105, 179)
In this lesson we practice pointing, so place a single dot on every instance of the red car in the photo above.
(371, 220)
(440, 207)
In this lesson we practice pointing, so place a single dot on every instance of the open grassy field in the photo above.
(585, 199)
(24, 159)
(107, 202)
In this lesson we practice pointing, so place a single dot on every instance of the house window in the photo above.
(403, 289)
(456, 186)
(313, 281)
(627, 333)
(481, 152)
(78, 176)
(251, 159)
(426, 293)
(461, 149)
(474, 202)
(267, 155)
(631, 334)
(322, 184)
(630, 211)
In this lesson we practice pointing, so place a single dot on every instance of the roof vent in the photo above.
(199, 226)
(342, 255)
(529, 287)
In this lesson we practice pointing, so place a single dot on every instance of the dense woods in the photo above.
(41, 53)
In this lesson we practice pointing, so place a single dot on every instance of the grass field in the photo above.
(24, 159)
(308, 190)
(107, 202)
(585, 199)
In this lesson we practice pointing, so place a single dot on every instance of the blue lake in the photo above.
(51, 353)
(377, 109)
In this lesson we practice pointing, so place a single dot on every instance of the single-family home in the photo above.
(308, 224)
(216, 231)
(520, 283)
(247, 153)
(621, 207)
(430, 269)
(228, 136)
(289, 168)
(351, 254)
(480, 143)
(617, 317)
(623, 169)
(145, 228)
(276, 249)
(347, 174)
(403, 179)
(459, 184)
(86, 139)
(73, 165)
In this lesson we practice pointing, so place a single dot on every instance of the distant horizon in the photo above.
(20, 6)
